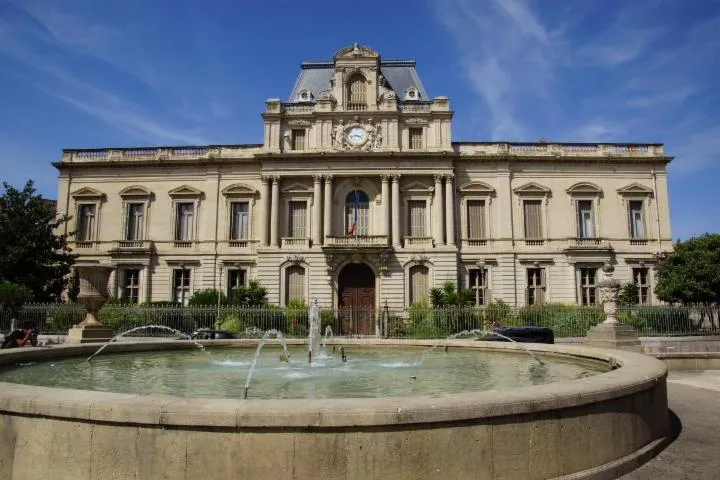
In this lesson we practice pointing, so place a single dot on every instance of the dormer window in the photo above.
(305, 96)
(356, 92)
(412, 93)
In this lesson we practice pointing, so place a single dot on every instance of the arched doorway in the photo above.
(356, 299)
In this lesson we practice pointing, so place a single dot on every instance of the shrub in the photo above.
(296, 318)
(564, 320)
(207, 298)
(233, 324)
(251, 295)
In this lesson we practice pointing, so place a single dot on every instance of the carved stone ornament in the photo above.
(357, 135)
(299, 123)
(416, 121)
(295, 259)
(326, 95)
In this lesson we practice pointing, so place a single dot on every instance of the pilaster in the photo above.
(450, 208)
(396, 210)
(316, 237)
(438, 210)
(327, 210)
(274, 206)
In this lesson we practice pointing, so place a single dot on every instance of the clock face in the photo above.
(356, 135)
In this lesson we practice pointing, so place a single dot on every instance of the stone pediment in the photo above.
(586, 188)
(297, 187)
(356, 51)
(87, 193)
(531, 188)
(135, 191)
(635, 189)
(239, 190)
(185, 191)
(477, 187)
(417, 187)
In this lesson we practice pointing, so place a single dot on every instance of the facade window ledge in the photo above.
(418, 242)
(133, 245)
(584, 242)
(182, 244)
(475, 242)
(535, 242)
(241, 243)
(638, 241)
(295, 242)
(84, 244)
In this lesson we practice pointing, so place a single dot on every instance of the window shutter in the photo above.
(298, 219)
(476, 218)
(418, 283)
(533, 221)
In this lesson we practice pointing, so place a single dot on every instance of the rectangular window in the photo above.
(641, 279)
(588, 286)
(636, 219)
(535, 286)
(86, 223)
(532, 210)
(478, 285)
(298, 220)
(295, 283)
(418, 284)
(131, 285)
(239, 220)
(476, 219)
(135, 221)
(415, 138)
(184, 221)
(236, 279)
(585, 221)
(181, 286)
(416, 218)
(298, 139)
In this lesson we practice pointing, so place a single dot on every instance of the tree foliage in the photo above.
(449, 296)
(629, 294)
(252, 295)
(691, 273)
(13, 296)
(207, 298)
(31, 252)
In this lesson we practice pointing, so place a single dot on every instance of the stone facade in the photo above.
(357, 195)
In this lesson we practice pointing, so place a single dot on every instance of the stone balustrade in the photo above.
(357, 240)
(129, 245)
(295, 242)
(418, 242)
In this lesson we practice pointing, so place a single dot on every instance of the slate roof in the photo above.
(399, 75)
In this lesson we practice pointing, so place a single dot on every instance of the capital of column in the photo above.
(317, 178)
(396, 178)
(449, 177)
(438, 177)
(264, 179)
(328, 178)
(275, 178)
(385, 177)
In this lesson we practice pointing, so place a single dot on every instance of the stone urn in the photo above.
(93, 294)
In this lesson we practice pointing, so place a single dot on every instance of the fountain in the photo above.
(484, 410)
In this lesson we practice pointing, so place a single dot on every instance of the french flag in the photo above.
(353, 227)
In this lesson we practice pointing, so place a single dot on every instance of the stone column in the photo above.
(327, 210)
(274, 206)
(146, 284)
(316, 225)
(438, 211)
(450, 208)
(264, 212)
(385, 193)
(396, 210)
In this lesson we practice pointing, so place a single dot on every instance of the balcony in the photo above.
(133, 246)
(475, 242)
(356, 106)
(182, 243)
(638, 241)
(534, 242)
(356, 240)
(414, 242)
(584, 242)
(295, 243)
(84, 244)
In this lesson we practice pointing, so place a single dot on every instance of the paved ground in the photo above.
(694, 398)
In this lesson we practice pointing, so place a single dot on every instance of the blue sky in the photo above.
(85, 73)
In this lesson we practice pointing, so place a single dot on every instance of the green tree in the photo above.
(449, 296)
(13, 297)
(252, 295)
(629, 294)
(31, 252)
(691, 273)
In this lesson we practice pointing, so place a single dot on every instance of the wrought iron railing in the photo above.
(413, 322)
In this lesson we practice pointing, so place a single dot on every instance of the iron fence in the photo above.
(413, 322)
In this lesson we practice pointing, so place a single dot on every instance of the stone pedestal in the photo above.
(93, 295)
(611, 333)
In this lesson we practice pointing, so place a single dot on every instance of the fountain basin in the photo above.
(594, 427)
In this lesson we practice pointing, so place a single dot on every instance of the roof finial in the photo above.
(356, 50)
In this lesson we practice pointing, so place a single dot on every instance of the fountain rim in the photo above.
(638, 372)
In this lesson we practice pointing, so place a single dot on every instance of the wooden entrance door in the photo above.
(356, 289)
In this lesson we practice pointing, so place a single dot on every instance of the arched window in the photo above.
(356, 92)
(295, 283)
(357, 205)
(418, 283)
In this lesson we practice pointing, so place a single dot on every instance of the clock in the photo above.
(356, 135)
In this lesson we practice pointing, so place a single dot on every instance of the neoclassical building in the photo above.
(358, 196)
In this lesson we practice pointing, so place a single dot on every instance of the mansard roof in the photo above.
(399, 76)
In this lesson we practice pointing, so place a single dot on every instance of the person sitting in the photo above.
(20, 337)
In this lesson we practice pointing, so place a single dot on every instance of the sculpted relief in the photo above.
(357, 135)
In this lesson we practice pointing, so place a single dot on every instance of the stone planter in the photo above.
(93, 294)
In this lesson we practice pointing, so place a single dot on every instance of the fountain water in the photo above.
(281, 339)
(314, 337)
(147, 327)
(476, 333)
(328, 335)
